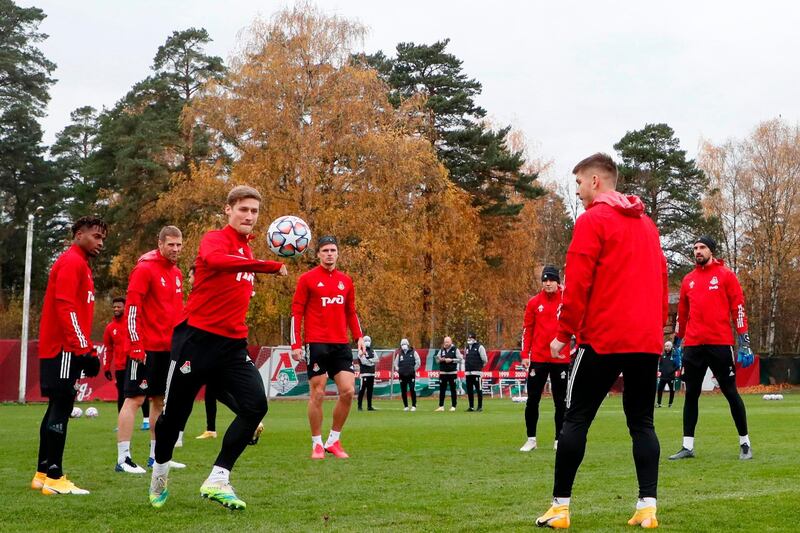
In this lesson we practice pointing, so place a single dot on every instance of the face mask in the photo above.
(470, 342)
(367, 343)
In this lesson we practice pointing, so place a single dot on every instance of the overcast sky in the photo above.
(573, 76)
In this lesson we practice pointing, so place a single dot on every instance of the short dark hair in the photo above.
(599, 161)
(118, 300)
(89, 222)
(241, 192)
(327, 239)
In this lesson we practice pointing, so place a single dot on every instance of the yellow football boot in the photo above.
(645, 517)
(38, 481)
(557, 517)
(61, 486)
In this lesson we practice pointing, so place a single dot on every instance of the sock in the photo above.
(744, 439)
(316, 439)
(160, 469)
(688, 443)
(180, 436)
(561, 501)
(123, 451)
(152, 448)
(645, 502)
(332, 438)
(219, 475)
(531, 439)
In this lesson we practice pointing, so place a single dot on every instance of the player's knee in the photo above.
(347, 393)
(316, 395)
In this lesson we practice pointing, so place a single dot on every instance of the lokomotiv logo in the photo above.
(335, 300)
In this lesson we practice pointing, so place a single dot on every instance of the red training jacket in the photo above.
(326, 301)
(223, 283)
(710, 296)
(539, 328)
(154, 302)
(68, 308)
(615, 295)
(115, 344)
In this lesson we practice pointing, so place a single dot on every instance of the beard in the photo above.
(700, 260)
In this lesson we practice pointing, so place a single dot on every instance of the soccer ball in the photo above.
(92, 412)
(288, 236)
(77, 412)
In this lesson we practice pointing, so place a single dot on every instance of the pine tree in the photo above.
(26, 180)
(478, 158)
(670, 185)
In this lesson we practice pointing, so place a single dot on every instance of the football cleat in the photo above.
(257, 434)
(158, 491)
(371, 409)
(479, 409)
(172, 464)
(453, 408)
(529, 445)
(337, 450)
(223, 494)
(405, 408)
(440, 408)
(645, 517)
(470, 409)
(746, 452)
(38, 480)
(413, 407)
(557, 517)
(207, 435)
(683, 453)
(61, 486)
(129, 467)
(318, 452)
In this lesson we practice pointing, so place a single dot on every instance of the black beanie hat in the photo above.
(708, 241)
(550, 273)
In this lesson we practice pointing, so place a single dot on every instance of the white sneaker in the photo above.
(405, 408)
(176, 465)
(452, 408)
(128, 466)
(529, 445)
(439, 409)
(413, 408)
(555, 445)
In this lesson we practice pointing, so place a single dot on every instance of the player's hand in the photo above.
(137, 353)
(283, 271)
(658, 374)
(109, 376)
(526, 363)
(555, 347)
(297, 354)
(90, 363)
(745, 356)
(362, 348)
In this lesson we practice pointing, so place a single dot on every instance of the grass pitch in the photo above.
(421, 471)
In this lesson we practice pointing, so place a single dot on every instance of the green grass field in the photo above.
(421, 471)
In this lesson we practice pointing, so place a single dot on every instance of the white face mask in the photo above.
(367, 343)
(470, 341)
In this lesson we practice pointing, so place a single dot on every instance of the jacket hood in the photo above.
(152, 255)
(627, 204)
